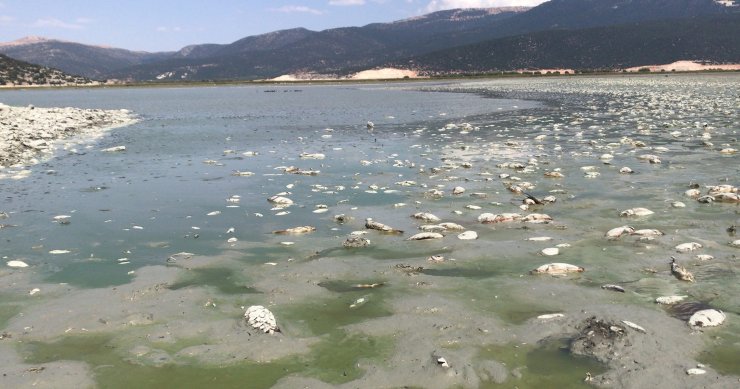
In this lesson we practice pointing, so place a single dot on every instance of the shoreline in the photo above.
(28, 135)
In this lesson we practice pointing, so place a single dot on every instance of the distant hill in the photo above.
(89, 61)
(408, 43)
(19, 73)
(614, 47)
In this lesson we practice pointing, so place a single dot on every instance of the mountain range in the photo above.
(583, 34)
(19, 73)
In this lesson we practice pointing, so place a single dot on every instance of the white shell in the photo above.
(707, 318)
(667, 300)
(686, 247)
(468, 235)
(261, 318)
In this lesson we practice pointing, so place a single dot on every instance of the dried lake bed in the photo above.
(143, 260)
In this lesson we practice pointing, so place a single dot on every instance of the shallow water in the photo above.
(132, 210)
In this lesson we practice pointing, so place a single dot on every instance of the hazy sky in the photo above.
(164, 25)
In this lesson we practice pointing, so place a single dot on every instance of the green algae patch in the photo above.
(335, 359)
(548, 364)
(93, 274)
(7, 311)
(724, 354)
(224, 280)
(326, 315)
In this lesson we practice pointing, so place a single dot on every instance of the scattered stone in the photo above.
(356, 241)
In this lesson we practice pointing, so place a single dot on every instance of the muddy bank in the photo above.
(28, 134)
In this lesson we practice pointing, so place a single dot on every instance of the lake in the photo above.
(118, 308)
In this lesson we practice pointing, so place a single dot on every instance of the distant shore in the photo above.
(29, 134)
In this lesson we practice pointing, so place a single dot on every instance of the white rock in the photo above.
(17, 264)
(707, 318)
(615, 233)
(280, 200)
(735, 243)
(261, 318)
(458, 190)
(468, 235)
(678, 204)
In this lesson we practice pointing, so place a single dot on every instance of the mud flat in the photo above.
(28, 134)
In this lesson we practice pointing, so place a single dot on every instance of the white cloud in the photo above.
(168, 29)
(56, 23)
(437, 5)
(296, 9)
(346, 2)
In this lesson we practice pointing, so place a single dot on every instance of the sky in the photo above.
(169, 25)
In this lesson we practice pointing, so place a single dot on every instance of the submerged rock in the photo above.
(600, 339)
(262, 319)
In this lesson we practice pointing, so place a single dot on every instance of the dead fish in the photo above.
(355, 241)
(680, 272)
(648, 232)
(557, 269)
(280, 200)
(262, 319)
(613, 287)
(686, 247)
(489, 218)
(373, 225)
(451, 226)
(636, 212)
(296, 230)
(426, 236)
(537, 218)
(312, 156)
(427, 217)
(458, 190)
(618, 232)
(668, 300)
(436, 258)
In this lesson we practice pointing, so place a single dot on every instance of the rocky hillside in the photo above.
(19, 73)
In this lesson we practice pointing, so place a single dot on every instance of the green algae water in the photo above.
(171, 240)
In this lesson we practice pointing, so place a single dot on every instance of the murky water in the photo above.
(169, 192)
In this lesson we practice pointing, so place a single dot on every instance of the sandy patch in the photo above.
(685, 66)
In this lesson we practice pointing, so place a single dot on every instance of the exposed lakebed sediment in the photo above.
(29, 134)
(142, 264)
